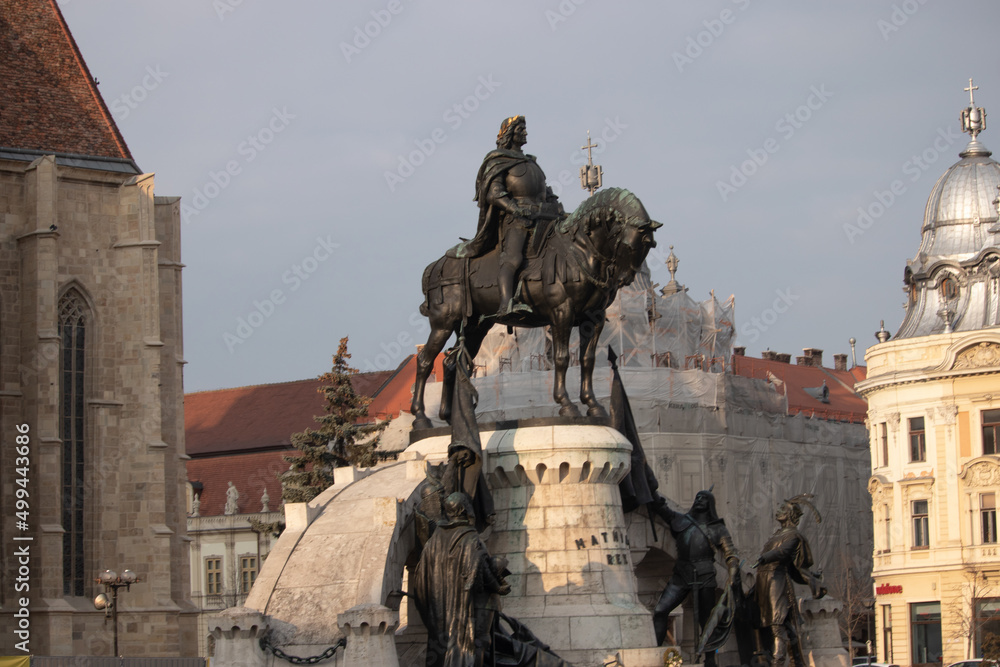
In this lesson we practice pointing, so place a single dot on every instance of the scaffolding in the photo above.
(646, 329)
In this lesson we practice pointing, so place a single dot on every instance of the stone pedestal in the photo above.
(560, 524)
(822, 645)
(370, 632)
(236, 633)
(642, 657)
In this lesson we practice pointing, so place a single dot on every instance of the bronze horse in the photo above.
(583, 260)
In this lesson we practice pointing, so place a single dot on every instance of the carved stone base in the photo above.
(822, 644)
(643, 657)
(560, 524)
(370, 632)
(236, 633)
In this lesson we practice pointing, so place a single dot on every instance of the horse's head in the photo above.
(619, 228)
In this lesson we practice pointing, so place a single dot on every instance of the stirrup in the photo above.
(512, 308)
(516, 305)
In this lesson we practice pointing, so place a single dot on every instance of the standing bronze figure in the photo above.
(785, 561)
(568, 270)
(699, 534)
(455, 585)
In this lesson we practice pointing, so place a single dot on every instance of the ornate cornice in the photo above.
(541, 455)
(964, 348)
(930, 274)
(978, 356)
(916, 485)
(880, 489)
(945, 414)
(982, 471)
(585, 472)
(913, 479)
(978, 351)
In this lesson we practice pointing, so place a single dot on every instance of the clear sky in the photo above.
(327, 152)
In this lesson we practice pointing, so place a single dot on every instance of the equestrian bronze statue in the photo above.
(531, 265)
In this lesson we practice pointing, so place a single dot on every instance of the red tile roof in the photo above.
(240, 435)
(396, 393)
(48, 99)
(250, 472)
(265, 416)
(844, 405)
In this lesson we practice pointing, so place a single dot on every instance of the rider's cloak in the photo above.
(495, 165)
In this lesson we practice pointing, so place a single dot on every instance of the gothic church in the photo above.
(91, 361)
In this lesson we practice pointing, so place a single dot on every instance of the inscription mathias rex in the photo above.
(604, 539)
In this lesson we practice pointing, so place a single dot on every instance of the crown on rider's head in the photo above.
(507, 123)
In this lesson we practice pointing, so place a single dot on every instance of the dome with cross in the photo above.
(952, 284)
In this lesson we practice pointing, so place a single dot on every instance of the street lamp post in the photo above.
(112, 582)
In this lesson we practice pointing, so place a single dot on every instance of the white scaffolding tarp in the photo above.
(644, 328)
(660, 397)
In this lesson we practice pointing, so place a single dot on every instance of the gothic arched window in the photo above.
(73, 331)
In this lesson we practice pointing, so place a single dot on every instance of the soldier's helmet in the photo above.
(708, 499)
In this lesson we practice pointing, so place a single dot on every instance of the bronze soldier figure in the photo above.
(699, 534)
(455, 585)
(513, 198)
(786, 558)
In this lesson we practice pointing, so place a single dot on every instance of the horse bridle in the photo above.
(607, 262)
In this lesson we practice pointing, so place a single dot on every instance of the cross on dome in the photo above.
(972, 101)
(973, 117)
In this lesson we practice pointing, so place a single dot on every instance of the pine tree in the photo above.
(340, 439)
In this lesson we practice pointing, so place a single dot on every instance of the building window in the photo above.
(883, 436)
(248, 573)
(72, 331)
(888, 528)
(987, 621)
(991, 429)
(925, 623)
(213, 576)
(887, 632)
(921, 538)
(988, 517)
(949, 288)
(918, 445)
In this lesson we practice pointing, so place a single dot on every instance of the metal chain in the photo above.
(265, 645)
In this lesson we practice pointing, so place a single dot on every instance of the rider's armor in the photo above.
(523, 196)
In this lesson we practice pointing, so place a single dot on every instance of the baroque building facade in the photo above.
(934, 416)
(91, 362)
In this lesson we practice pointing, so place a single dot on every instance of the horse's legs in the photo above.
(561, 327)
(425, 362)
(590, 333)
